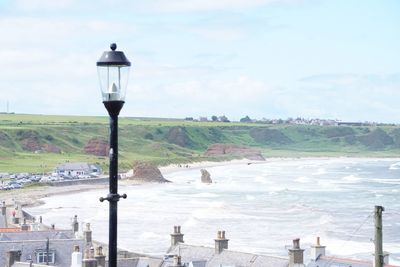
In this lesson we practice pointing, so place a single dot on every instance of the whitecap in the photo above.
(303, 179)
(250, 197)
(395, 166)
(205, 195)
(319, 171)
(351, 178)
(261, 179)
(387, 181)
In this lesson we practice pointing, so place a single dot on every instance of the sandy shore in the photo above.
(32, 196)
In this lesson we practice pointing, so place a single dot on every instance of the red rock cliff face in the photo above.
(234, 150)
(98, 147)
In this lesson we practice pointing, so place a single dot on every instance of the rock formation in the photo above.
(205, 176)
(147, 172)
(234, 150)
(97, 147)
(50, 148)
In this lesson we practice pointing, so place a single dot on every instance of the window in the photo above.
(43, 257)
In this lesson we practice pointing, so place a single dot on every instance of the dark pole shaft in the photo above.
(112, 249)
(378, 237)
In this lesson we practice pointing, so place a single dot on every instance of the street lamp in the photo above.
(113, 71)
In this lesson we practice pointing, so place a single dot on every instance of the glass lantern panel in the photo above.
(113, 82)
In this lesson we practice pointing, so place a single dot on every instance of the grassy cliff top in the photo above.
(36, 143)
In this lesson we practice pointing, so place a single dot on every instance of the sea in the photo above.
(262, 207)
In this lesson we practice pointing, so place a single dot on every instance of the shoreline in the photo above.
(30, 197)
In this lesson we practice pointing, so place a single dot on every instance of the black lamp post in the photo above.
(113, 70)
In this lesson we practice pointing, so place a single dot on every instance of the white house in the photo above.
(77, 169)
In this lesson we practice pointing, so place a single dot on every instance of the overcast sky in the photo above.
(333, 59)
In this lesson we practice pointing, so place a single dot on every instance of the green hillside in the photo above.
(36, 143)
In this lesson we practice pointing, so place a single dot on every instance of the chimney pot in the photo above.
(296, 254)
(221, 242)
(296, 243)
(317, 250)
(176, 236)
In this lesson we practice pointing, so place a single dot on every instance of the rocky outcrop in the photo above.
(50, 148)
(179, 136)
(147, 172)
(97, 147)
(234, 150)
(205, 176)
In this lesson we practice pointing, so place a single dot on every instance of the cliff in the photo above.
(234, 150)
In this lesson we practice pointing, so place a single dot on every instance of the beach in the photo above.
(32, 196)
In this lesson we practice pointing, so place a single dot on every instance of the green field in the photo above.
(36, 143)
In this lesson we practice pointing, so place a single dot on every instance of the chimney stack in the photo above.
(221, 242)
(4, 213)
(296, 254)
(317, 250)
(176, 236)
(100, 258)
(4, 209)
(89, 260)
(76, 257)
(87, 234)
(12, 257)
(75, 224)
(177, 262)
(24, 226)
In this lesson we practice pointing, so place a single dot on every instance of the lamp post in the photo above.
(113, 71)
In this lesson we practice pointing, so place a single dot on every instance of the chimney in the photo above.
(12, 257)
(296, 254)
(4, 209)
(89, 260)
(100, 258)
(4, 213)
(24, 226)
(176, 236)
(76, 257)
(177, 262)
(87, 234)
(221, 242)
(317, 250)
(75, 224)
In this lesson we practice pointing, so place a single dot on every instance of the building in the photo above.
(318, 258)
(181, 254)
(77, 168)
(30, 241)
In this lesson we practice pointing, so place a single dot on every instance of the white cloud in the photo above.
(355, 97)
(165, 6)
(43, 4)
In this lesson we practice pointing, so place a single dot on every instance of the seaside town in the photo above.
(199, 133)
(28, 241)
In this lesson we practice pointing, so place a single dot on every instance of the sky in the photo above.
(329, 59)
